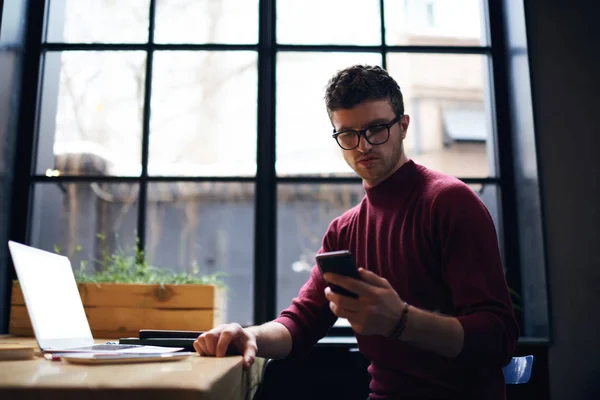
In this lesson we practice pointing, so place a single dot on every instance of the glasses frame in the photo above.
(363, 132)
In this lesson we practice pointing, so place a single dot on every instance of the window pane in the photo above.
(206, 21)
(350, 22)
(13, 22)
(304, 142)
(435, 22)
(448, 99)
(303, 214)
(84, 219)
(91, 114)
(204, 114)
(209, 228)
(98, 21)
(489, 195)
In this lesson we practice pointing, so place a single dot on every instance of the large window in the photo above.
(197, 128)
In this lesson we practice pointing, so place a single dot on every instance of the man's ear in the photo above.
(404, 122)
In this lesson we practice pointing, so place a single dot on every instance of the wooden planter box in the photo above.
(116, 310)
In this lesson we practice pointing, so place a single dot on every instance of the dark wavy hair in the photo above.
(353, 85)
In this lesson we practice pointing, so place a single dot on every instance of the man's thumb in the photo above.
(249, 355)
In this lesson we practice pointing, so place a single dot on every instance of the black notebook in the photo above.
(165, 338)
(156, 333)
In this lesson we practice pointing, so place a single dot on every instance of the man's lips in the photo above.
(366, 160)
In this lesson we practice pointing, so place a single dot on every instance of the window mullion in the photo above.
(265, 221)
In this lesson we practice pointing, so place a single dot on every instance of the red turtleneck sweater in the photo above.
(432, 238)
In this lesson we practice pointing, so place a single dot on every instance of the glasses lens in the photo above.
(378, 134)
(348, 140)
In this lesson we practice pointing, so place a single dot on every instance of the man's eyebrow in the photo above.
(377, 121)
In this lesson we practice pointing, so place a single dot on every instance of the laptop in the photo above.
(54, 305)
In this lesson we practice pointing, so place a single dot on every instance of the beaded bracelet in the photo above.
(399, 328)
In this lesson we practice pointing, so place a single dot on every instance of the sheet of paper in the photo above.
(150, 349)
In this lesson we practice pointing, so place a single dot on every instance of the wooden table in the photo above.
(196, 378)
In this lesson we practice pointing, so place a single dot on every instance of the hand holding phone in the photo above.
(338, 262)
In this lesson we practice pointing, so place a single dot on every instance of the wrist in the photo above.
(252, 332)
(400, 325)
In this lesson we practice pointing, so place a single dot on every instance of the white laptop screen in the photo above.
(50, 293)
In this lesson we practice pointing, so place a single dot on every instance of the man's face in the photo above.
(372, 163)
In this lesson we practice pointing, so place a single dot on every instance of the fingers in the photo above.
(341, 306)
(206, 344)
(340, 312)
(217, 342)
(341, 300)
(351, 284)
(229, 334)
(249, 353)
(373, 279)
(334, 308)
(360, 287)
(200, 347)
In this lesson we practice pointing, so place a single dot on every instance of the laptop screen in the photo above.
(50, 293)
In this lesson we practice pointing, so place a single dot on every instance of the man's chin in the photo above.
(367, 174)
(372, 176)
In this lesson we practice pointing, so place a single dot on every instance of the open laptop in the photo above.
(54, 305)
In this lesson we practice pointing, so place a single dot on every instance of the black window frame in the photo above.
(266, 180)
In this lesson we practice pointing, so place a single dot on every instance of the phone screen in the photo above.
(339, 262)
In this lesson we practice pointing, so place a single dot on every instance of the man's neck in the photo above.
(401, 161)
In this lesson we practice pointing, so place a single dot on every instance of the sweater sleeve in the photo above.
(309, 317)
(474, 272)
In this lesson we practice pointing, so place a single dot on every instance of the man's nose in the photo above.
(363, 145)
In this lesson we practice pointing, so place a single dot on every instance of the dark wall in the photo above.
(563, 47)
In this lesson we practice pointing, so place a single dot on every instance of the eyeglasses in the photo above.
(375, 135)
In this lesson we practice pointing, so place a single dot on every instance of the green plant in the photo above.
(121, 266)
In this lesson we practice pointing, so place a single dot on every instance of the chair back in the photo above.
(518, 371)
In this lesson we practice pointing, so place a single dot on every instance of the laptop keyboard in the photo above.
(101, 347)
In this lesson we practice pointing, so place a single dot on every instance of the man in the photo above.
(434, 315)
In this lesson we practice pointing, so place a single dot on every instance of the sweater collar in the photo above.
(395, 187)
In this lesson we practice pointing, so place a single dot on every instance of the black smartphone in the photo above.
(338, 262)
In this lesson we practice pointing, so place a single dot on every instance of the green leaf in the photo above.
(122, 266)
